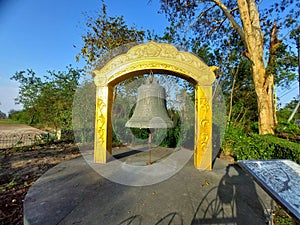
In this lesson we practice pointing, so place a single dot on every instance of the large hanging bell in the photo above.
(150, 110)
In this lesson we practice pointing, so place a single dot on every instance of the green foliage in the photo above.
(255, 146)
(84, 106)
(12, 183)
(187, 136)
(233, 140)
(284, 113)
(22, 116)
(284, 65)
(67, 135)
(284, 149)
(164, 137)
(2, 115)
(235, 80)
(281, 217)
(288, 128)
(215, 32)
(106, 33)
(173, 137)
(285, 129)
(47, 103)
(29, 87)
(218, 24)
(140, 133)
(123, 134)
(9, 121)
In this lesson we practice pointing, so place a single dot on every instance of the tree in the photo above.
(107, 37)
(12, 112)
(216, 21)
(29, 88)
(56, 98)
(48, 101)
(104, 34)
(2, 115)
(285, 112)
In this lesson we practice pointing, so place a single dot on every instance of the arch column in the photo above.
(203, 127)
(103, 125)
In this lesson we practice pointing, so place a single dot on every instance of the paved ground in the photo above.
(74, 193)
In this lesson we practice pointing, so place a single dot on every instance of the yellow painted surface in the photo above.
(156, 57)
(103, 129)
(164, 59)
(203, 128)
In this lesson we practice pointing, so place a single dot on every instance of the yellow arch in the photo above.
(164, 59)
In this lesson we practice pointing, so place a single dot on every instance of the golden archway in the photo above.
(165, 59)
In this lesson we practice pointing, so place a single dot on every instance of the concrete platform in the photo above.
(73, 193)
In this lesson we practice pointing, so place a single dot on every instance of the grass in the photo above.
(8, 122)
(281, 217)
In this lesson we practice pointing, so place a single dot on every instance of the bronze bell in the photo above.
(150, 110)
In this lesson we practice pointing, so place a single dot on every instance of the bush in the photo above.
(84, 135)
(283, 149)
(233, 139)
(288, 130)
(121, 134)
(255, 146)
(67, 135)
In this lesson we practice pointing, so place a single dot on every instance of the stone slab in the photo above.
(73, 193)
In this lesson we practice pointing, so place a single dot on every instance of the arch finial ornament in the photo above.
(164, 59)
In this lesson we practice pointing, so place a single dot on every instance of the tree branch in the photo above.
(218, 27)
(234, 24)
(202, 14)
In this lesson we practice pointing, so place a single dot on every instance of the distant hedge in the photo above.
(255, 146)
(283, 149)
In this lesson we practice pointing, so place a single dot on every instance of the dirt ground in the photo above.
(20, 168)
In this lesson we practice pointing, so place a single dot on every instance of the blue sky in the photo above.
(40, 35)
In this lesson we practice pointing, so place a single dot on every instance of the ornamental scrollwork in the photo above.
(101, 120)
(149, 66)
(204, 122)
(151, 52)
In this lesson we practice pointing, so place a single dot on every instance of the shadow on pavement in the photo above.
(133, 220)
(171, 218)
(231, 202)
